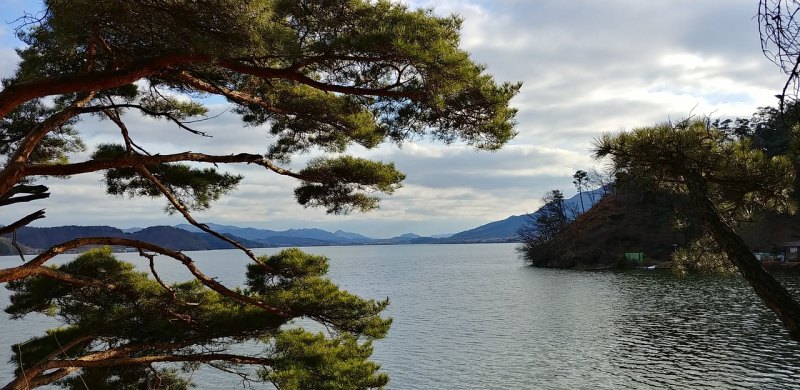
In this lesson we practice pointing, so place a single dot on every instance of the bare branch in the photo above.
(13, 172)
(188, 216)
(16, 94)
(130, 160)
(41, 374)
(237, 96)
(779, 29)
(126, 361)
(301, 78)
(22, 222)
(166, 115)
(36, 192)
(151, 260)
(75, 280)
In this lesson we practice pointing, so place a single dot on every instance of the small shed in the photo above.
(636, 257)
(791, 251)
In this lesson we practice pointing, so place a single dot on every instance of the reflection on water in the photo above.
(472, 316)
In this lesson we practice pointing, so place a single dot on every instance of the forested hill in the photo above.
(188, 237)
(638, 221)
(630, 221)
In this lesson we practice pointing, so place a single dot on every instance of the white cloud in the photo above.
(587, 67)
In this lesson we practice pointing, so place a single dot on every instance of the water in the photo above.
(473, 317)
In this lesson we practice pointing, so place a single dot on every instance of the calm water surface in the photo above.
(473, 317)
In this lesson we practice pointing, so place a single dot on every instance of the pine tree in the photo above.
(724, 181)
(542, 227)
(315, 76)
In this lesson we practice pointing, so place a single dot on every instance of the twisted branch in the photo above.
(32, 267)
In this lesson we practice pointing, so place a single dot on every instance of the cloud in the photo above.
(8, 61)
(587, 67)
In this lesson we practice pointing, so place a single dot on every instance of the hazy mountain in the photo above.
(351, 236)
(497, 231)
(300, 236)
(188, 237)
(36, 237)
(506, 230)
(166, 236)
(283, 241)
(407, 238)
(179, 239)
(323, 235)
(246, 233)
(7, 248)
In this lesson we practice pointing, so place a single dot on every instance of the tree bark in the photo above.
(769, 289)
(18, 93)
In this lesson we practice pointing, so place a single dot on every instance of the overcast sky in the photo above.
(587, 67)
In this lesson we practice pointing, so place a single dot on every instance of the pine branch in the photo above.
(31, 267)
(131, 160)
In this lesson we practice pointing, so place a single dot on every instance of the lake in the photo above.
(474, 317)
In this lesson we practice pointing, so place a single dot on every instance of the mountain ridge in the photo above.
(189, 237)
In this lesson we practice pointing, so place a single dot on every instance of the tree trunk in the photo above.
(769, 289)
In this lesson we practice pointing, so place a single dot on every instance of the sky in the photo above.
(587, 67)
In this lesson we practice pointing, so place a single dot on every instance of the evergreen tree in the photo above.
(316, 76)
(581, 182)
(724, 181)
(542, 227)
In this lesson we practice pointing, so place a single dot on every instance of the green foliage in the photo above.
(157, 105)
(292, 280)
(359, 44)
(317, 76)
(339, 183)
(772, 128)
(398, 74)
(542, 228)
(196, 188)
(56, 146)
(311, 361)
(742, 181)
(775, 131)
(581, 182)
(148, 319)
(127, 378)
(318, 119)
(702, 255)
(692, 159)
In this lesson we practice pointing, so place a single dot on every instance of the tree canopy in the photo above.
(542, 227)
(724, 181)
(316, 76)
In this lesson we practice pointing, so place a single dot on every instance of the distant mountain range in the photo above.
(188, 237)
(166, 236)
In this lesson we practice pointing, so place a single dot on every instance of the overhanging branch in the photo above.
(126, 361)
(34, 192)
(16, 94)
(287, 74)
(30, 268)
(22, 222)
(131, 160)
